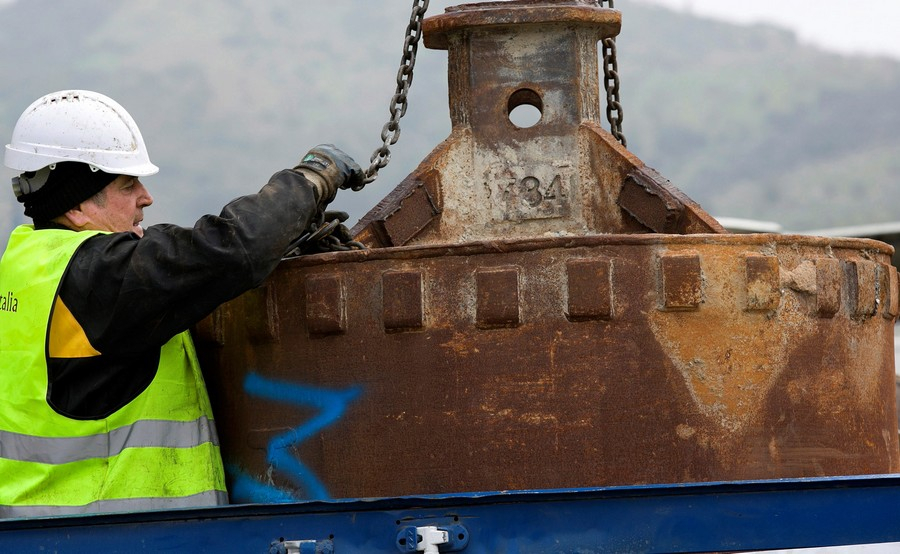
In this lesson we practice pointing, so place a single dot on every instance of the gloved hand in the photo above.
(328, 169)
(341, 231)
(327, 234)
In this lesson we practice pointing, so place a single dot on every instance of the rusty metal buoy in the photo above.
(539, 309)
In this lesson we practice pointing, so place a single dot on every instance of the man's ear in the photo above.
(76, 217)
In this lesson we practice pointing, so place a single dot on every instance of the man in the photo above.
(102, 403)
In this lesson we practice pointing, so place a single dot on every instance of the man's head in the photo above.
(71, 145)
(118, 206)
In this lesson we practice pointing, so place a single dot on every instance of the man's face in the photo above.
(119, 207)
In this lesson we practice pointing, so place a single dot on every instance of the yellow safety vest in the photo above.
(158, 451)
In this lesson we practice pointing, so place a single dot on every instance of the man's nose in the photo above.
(145, 198)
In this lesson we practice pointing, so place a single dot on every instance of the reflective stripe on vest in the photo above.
(141, 434)
(159, 450)
(210, 498)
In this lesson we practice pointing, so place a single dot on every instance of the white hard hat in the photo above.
(78, 126)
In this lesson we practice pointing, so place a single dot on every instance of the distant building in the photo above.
(738, 225)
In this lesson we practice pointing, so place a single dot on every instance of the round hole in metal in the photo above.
(525, 108)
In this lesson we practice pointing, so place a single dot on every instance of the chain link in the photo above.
(324, 236)
(390, 133)
(614, 112)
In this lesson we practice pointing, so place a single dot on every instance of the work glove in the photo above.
(329, 169)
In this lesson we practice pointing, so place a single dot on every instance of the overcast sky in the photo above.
(849, 26)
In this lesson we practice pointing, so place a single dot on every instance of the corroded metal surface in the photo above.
(561, 362)
(550, 313)
(565, 175)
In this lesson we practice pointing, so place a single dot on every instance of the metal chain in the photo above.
(614, 112)
(331, 236)
(390, 133)
(323, 236)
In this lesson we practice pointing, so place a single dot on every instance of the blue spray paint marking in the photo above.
(332, 405)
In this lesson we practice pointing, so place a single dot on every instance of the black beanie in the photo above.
(68, 185)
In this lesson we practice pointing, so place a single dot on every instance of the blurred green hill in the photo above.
(745, 120)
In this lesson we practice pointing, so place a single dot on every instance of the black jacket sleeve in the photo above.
(131, 294)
